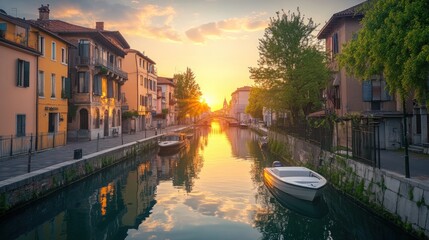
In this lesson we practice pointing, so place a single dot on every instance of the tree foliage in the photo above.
(188, 95)
(291, 69)
(393, 41)
(256, 103)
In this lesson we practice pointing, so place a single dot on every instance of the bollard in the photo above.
(77, 153)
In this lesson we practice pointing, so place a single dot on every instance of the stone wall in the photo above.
(401, 200)
(21, 190)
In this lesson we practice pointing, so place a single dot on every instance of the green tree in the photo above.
(256, 102)
(393, 41)
(291, 70)
(188, 95)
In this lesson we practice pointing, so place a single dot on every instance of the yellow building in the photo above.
(51, 87)
(95, 70)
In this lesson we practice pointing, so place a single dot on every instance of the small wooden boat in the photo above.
(299, 182)
(172, 141)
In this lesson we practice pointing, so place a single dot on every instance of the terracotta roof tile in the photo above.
(352, 12)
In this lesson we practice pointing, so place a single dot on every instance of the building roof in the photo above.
(140, 54)
(165, 81)
(243, 89)
(352, 12)
(67, 29)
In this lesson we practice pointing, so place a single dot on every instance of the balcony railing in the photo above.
(111, 67)
(102, 63)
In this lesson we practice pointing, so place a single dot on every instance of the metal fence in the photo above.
(366, 144)
(321, 135)
(14, 145)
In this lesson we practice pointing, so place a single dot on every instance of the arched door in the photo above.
(83, 113)
(106, 123)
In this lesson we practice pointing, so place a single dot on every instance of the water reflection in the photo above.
(212, 189)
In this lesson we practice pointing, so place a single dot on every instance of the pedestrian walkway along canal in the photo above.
(212, 189)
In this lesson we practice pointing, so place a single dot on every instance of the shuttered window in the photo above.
(23, 74)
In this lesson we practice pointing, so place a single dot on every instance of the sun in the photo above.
(206, 99)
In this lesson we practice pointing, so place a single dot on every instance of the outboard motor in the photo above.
(277, 164)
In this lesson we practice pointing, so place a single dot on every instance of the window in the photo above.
(20, 125)
(375, 90)
(337, 97)
(109, 88)
(63, 56)
(145, 82)
(41, 84)
(141, 80)
(140, 62)
(97, 85)
(335, 47)
(83, 82)
(42, 45)
(63, 87)
(53, 95)
(23, 76)
(3, 29)
(54, 51)
(84, 51)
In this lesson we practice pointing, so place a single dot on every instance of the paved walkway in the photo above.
(18, 165)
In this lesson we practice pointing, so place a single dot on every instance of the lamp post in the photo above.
(407, 161)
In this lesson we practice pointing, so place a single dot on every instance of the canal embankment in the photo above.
(23, 189)
(404, 201)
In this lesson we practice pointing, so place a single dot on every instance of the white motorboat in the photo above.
(300, 182)
(172, 141)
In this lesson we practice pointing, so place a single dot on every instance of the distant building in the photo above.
(95, 70)
(239, 102)
(166, 100)
(138, 93)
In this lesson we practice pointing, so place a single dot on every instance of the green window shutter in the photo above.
(67, 88)
(26, 74)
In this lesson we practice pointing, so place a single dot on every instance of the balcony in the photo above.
(104, 67)
(109, 68)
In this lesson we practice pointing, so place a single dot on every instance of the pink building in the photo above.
(239, 102)
(166, 100)
(347, 96)
(18, 84)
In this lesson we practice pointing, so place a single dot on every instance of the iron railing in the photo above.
(16, 145)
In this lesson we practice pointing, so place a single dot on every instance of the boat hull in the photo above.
(308, 193)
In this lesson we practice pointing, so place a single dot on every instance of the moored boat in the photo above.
(314, 209)
(171, 141)
(263, 141)
(300, 182)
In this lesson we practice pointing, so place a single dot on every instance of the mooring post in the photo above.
(29, 154)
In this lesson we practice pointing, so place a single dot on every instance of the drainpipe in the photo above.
(137, 87)
(37, 103)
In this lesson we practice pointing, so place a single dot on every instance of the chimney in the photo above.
(99, 26)
(44, 12)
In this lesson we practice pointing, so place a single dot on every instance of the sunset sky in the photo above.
(217, 39)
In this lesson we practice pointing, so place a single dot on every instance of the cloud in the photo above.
(143, 20)
(221, 28)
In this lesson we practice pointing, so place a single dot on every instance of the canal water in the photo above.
(211, 189)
